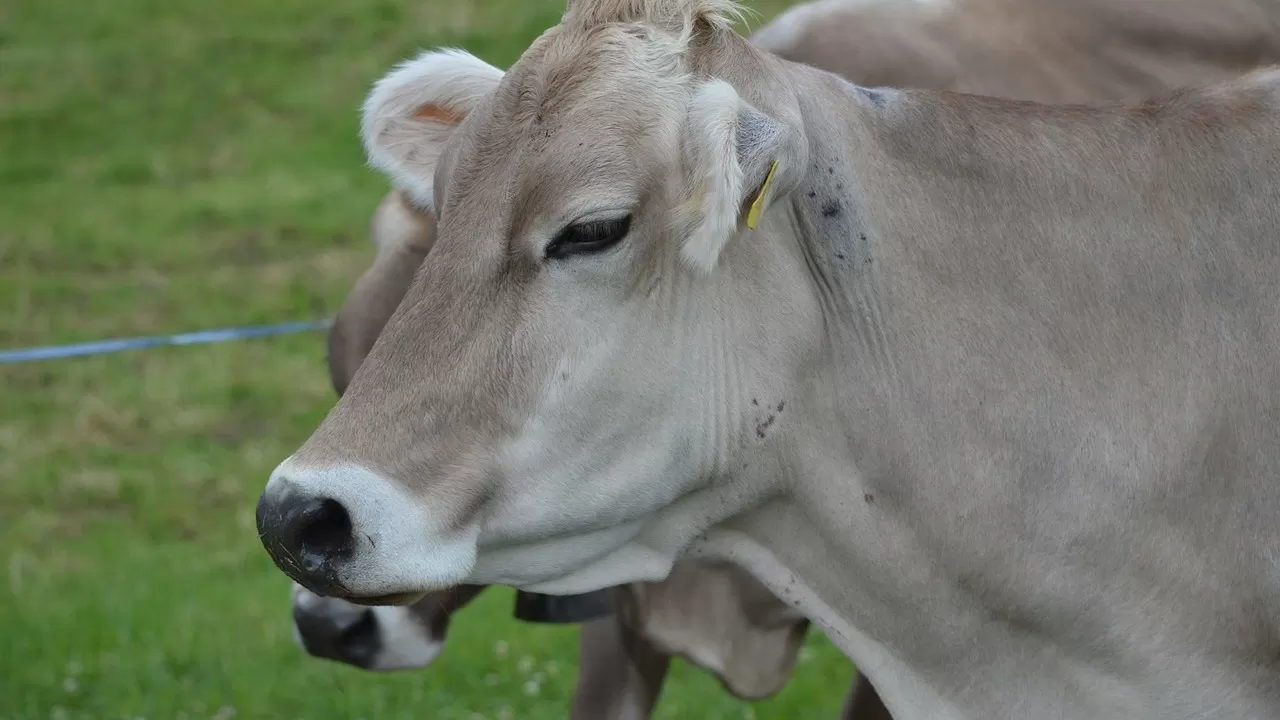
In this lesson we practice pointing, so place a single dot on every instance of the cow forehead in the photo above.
(550, 174)
(580, 110)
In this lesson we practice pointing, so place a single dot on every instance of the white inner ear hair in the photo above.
(713, 124)
(733, 147)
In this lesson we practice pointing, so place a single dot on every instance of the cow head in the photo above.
(382, 638)
(714, 615)
(584, 369)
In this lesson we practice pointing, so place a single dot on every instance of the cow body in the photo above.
(985, 388)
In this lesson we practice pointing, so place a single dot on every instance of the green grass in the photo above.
(168, 166)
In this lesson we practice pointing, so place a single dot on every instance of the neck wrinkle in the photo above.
(841, 248)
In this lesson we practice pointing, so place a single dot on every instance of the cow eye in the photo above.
(588, 237)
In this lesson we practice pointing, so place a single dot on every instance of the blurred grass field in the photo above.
(171, 166)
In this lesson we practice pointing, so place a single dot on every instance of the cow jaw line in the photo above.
(575, 564)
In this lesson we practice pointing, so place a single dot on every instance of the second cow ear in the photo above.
(412, 111)
(403, 235)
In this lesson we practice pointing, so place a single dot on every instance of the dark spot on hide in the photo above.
(869, 498)
(875, 96)
(763, 426)
(831, 209)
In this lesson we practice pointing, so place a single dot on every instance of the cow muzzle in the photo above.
(351, 638)
(373, 638)
(346, 532)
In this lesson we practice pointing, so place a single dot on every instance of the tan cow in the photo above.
(1057, 51)
(712, 614)
(986, 388)
(1047, 51)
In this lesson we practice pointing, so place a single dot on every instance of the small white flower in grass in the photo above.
(525, 665)
(504, 713)
(553, 669)
(805, 654)
(491, 679)
(58, 713)
(749, 714)
(70, 685)
(532, 688)
(226, 712)
(500, 648)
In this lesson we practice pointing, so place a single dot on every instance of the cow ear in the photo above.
(403, 235)
(732, 150)
(412, 111)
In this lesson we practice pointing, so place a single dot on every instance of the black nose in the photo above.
(307, 537)
(351, 640)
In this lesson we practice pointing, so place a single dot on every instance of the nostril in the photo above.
(358, 644)
(322, 532)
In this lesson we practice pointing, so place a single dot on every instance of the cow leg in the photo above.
(863, 702)
(620, 674)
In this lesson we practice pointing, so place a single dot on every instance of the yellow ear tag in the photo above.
(753, 214)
